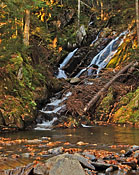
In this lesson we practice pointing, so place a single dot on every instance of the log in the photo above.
(107, 85)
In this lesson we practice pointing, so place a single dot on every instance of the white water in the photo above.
(101, 60)
(61, 73)
(46, 125)
(105, 55)
(52, 110)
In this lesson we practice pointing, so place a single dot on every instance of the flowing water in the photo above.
(34, 144)
(96, 137)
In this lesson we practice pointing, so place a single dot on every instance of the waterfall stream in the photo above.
(105, 55)
(51, 110)
(56, 105)
(61, 73)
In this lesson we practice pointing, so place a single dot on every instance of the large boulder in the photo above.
(64, 164)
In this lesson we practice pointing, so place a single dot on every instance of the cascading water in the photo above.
(51, 110)
(105, 55)
(61, 73)
(54, 108)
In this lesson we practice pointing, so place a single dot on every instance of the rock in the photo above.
(1, 119)
(57, 150)
(91, 157)
(136, 154)
(40, 169)
(75, 80)
(19, 170)
(108, 170)
(81, 33)
(132, 164)
(66, 166)
(26, 155)
(131, 150)
(103, 166)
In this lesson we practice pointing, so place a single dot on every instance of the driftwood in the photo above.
(107, 85)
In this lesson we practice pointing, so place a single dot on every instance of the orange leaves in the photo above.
(55, 42)
(72, 150)
(51, 144)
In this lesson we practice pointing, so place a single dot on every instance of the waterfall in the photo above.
(51, 110)
(61, 73)
(105, 55)
(54, 109)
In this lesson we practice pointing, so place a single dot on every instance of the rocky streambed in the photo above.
(90, 162)
(90, 150)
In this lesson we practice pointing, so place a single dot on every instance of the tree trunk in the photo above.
(137, 20)
(102, 10)
(26, 27)
(79, 8)
(107, 85)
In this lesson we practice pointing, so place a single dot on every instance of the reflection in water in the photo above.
(103, 136)
(97, 137)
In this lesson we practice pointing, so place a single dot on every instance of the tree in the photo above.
(79, 8)
(26, 27)
(137, 20)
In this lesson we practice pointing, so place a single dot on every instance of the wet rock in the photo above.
(108, 170)
(75, 80)
(91, 157)
(132, 164)
(25, 155)
(136, 154)
(103, 166)
(58, 150)
(76, 60)
(131, 150)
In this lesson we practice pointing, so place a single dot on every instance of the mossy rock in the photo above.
(19, 122)
(105, 106)
(1, 119)
(55, 85)
(129, 109)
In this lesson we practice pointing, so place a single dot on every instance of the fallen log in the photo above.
(107, 85)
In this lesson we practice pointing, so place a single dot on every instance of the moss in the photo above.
(18, 94)
(105, 107)
(128, 108)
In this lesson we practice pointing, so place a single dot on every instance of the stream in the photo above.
(30, 146)
(97, 137)
(34, 145)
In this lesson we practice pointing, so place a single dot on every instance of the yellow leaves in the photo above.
(42, 17)
(55, 42)
(59, 49)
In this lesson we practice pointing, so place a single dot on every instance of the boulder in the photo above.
(40, 169)
(65, 166)
(75, 80)
(57, 150)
